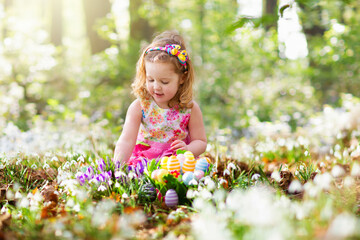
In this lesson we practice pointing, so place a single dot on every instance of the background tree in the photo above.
(95, 10)
(56, 22)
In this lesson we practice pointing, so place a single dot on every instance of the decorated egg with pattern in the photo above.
(171, 198)
(202, 165)
(154, 174)
(161, 173)
(189, 155)
(173, 164)
(181, 159)
(199, 174)
(189, 165)
(164, 162)
(187, 177)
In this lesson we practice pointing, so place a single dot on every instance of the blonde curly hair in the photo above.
(183, 97)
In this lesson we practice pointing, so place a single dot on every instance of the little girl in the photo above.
(164, 111)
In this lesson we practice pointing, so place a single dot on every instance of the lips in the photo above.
(158, 94)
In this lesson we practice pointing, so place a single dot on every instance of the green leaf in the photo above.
(282, 9)
(180, 151)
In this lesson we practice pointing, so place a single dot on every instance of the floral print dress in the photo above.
(159, 128)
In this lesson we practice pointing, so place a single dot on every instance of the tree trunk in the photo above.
(94, 11)
(140, 28)
(56, 22)
(270, 8)
(7, 6)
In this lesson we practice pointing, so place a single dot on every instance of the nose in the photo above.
(157, 86)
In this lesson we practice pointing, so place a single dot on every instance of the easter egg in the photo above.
(181, 159)
(171, 198)
(154, 174)
(173, 164)
(199, 174)
(202, 165)
(161, 174)
(164, 162)
(187, 177)
(147, 193)
(189, 155)
(208, 160)
(189, 165)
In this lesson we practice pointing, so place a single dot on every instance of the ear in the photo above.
(183, 77)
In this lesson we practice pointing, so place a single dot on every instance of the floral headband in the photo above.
(174, 50)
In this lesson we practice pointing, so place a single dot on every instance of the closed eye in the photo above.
(164, 82)
(150, 80)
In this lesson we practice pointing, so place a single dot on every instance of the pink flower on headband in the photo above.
(174, 50)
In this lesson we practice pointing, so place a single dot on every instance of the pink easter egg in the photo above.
(199, 174)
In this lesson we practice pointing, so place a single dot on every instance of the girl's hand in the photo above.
(178, 144)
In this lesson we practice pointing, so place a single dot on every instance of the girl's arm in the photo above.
(197, 133)
(127, 140)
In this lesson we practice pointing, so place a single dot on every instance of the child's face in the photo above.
(162, 82)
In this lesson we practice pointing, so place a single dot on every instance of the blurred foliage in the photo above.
(242, 77)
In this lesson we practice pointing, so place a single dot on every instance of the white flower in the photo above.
(117, 185)
(344, 225)
(124, 195)
(33, 166)
(276, 176)
(226, 172)
(76, 208)
(295, 187)
(101, 188)
(323, 180)
(132, 175)
(337, 171)
(193, 182)
(18, 195)
(231, 166)
(355, 171)
(349, 181)
(255, 177)
(81, 159)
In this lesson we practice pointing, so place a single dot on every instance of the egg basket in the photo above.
(172, 176)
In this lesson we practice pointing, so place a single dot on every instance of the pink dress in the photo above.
(159, 128)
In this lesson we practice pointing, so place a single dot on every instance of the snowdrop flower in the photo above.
(46, 166)
(295, 187)
(255, 177)
(132, 175)
(117, 185)
(276, 176)
(118, 174)
(24, 203)
(33, 166)
(343, 226)
(210, 184)
(101, 188)
(226, 172)
(337, 171)
(323, 180)
(193, 182)
(81, 159)
(76, 208)
(18, 195)
(349, 181)
(124, 195)
(231, 166)
(355, 170)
